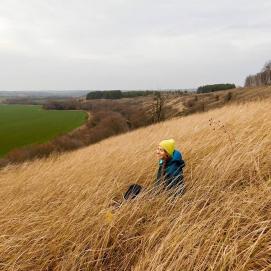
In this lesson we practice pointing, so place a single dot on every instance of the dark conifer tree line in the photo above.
(215, 87)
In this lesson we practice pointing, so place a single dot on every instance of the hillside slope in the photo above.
(187, 104)
(55, 215)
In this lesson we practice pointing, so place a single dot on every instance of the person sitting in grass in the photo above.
(171, 164)
(170, 171)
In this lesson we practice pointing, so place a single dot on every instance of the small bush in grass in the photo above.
(228, 97)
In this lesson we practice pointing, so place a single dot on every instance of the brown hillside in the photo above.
(192, 103)
(55, 212)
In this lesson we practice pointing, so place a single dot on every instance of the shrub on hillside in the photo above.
(30, 152)
(194, 105)
(228, 97)
(190, 103)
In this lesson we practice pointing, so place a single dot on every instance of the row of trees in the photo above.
(262, 78)
(70, 104)
(215, 87)
(118, 94)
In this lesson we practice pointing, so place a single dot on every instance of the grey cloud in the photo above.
(57, 44)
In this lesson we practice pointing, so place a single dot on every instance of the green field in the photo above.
(22, 125)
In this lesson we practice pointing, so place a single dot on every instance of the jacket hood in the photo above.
(177, 156)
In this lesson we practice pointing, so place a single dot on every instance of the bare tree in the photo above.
(158, 107)
(267, 66)
(262, 78)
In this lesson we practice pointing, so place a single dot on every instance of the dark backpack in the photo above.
(132, 191)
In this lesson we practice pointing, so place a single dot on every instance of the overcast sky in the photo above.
(131, 44)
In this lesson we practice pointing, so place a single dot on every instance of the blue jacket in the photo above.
(173, 175)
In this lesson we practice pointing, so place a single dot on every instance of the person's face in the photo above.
(161, 153)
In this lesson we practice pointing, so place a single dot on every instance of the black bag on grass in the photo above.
(132, 191)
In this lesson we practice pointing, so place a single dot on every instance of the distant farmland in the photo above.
(21, 125)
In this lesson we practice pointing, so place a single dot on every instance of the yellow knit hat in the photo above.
(168, 145)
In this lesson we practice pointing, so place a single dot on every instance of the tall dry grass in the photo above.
(55, 212)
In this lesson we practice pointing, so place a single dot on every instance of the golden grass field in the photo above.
(55, 213)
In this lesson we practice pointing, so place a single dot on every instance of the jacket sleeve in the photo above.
(158, 176)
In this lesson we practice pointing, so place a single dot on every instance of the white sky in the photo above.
(131, 44)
